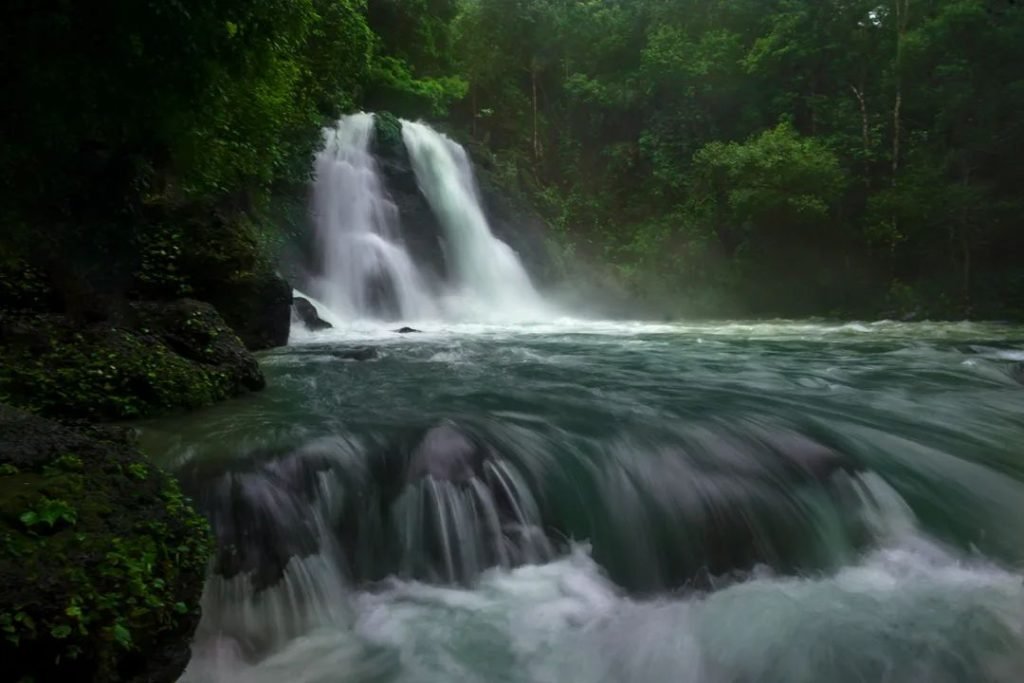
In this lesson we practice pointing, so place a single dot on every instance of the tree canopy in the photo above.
(725, 156)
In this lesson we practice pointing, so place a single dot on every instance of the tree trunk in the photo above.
(902, 18)
(475, 109)
(865, 130)
(536, 134)
(902, 21)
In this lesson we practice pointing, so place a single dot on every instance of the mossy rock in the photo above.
(387, 132)
(222, 260)
(167, 357)
(102, 560)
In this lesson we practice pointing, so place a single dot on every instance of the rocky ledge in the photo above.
(102, 559)
(156, 357)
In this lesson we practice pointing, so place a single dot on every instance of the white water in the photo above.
(368, 272)
(365, 266)
(907, 613)
(660, 432)
(490, 282)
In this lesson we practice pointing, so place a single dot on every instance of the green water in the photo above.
(685, 536)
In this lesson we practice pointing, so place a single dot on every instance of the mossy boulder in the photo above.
(222, 259)
(160, 358)
(102, 560)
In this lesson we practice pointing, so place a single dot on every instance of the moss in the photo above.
(113, 374)
(101, 567)
(387, 130)
(176, 356)
(23, 286)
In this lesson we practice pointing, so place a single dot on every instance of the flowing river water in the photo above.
(581, 501)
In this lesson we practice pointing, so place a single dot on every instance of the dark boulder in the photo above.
(257, 306)
(407, 330)
(305, 311)
(102, 562)
(195, 331)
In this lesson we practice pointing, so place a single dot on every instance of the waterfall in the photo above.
(489, 278)
(365, 268)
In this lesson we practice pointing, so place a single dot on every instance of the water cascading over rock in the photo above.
(488, 276)
(369, 267)
(365, 268)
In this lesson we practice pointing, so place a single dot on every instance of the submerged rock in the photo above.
(102, 560)
(306, 312)
(445, 454)
(161, 357)
(365, 353)
(262, 510)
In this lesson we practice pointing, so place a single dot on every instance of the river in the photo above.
(584, 501)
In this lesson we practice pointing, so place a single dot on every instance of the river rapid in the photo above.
(580, 501)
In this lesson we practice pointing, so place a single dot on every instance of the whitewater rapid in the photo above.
(650, 458)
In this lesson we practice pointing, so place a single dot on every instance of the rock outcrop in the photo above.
(306, 313)
(159, 357)
(102, 560)
(217, 259)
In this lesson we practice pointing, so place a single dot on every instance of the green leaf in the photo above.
(60, 632)
(123, 636)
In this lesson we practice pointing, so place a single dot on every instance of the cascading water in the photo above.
(617, 503)
(366, 270)
(489, 278)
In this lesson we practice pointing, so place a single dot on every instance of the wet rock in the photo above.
(257, 306)
(421, 230)
(406, 330)
(445, 454)
(306, 312)
(90, 524)
(806, 458)
(263, 510)
(362, 354)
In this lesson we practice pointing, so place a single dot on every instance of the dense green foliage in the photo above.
(768, 156)
(127, 119)
(721, 156)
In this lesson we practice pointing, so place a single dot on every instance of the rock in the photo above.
(163, 357)
(306, 312)
(445, 454)
(517, 223)
(806, 459)
(102, 560)
(406, 330)
(261, 509)
(258, 308)
(421, 230)
(362, 354)
(216, 258)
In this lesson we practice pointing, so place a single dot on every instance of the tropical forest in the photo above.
(531, 341)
